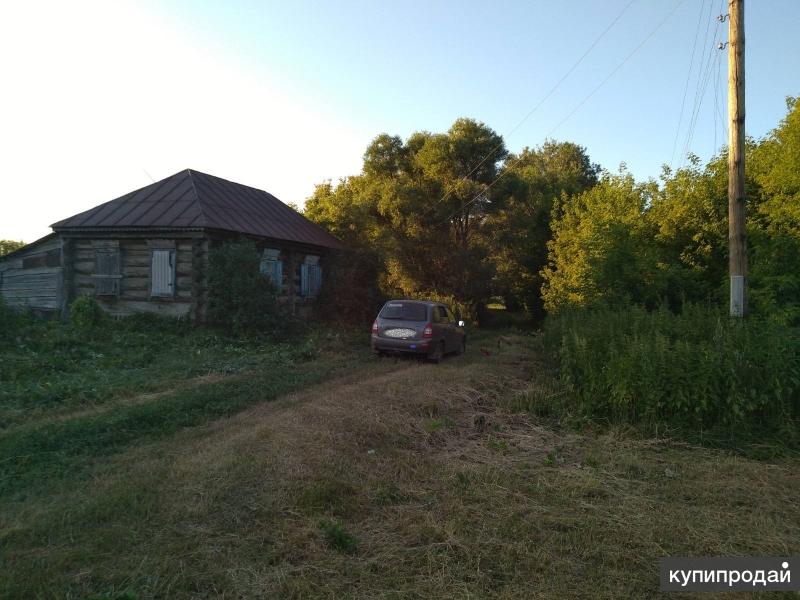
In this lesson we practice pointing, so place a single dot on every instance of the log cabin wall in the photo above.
(132, 288)
(117, 270)
(293, 257)
(32, 277)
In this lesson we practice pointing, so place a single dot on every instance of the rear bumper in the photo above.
(381, 344)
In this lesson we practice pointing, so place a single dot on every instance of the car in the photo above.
(418, 327)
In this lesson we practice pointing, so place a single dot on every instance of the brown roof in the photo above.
(194, 200)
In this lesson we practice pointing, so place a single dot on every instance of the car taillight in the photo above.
(428, 331)
(375, 328)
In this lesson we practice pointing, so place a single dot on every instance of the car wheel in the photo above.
(437, 355)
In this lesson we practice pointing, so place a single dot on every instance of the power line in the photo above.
(507, 168)
(543, 100)
(618, 67)
(703, 86)
(686, 85)
(703, 77)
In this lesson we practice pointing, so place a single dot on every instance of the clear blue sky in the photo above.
(398, 67)
(101, 98)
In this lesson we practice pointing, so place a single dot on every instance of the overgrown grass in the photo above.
(697, 372)
(72, 393)
(345, 489)
(55, 368)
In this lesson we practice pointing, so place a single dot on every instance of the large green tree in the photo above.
(602, 250)
(421, 206)
(534, 183)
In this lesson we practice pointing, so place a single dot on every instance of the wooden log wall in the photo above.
(33, 277)
(134, 295)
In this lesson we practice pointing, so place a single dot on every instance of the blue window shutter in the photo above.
(304, 280)
(273, 269)
(317, 279)
(279, 275)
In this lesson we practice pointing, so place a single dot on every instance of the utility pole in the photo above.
(737, 235)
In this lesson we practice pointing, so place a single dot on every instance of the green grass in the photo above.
(52, 368)
(70, 396)
(697, 373)
(328, 473)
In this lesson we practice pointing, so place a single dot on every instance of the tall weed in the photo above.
(698, 369)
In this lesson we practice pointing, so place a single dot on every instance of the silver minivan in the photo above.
(418, 327)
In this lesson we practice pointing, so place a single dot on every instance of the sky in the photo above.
(99, 98)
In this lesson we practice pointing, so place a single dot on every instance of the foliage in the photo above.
(85, 313)
(9, 246)
(599, 252)
(421, 207)
(10, 323)
(240, 298)
(623, 241)
(350, 292)
(696, 370)
(534, 183)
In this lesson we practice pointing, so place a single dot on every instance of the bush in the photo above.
(10, 322)
(698, 369)
(350, 292)
(240, 298)
(85, 313)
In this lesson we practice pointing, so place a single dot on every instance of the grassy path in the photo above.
(392, 479)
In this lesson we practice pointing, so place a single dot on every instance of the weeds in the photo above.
(338, 537)
(697, 371)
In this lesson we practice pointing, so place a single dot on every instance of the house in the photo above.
(147, 251)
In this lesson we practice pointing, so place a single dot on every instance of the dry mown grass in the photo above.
(404, 480)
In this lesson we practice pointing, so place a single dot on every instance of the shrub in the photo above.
(698, 369)
(10, 322)
(85, 313)
(240, 298)
(350, 292)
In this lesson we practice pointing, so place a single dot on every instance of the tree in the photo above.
(602, 249)
(9, 246)
(533, 184)
(421, 207)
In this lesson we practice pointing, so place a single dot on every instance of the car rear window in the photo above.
(404, 311)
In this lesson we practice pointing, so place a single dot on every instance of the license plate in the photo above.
(399, 333)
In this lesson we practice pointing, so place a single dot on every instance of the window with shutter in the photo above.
(107, 272)
(162, 273)
(310, 280)
(272, 267)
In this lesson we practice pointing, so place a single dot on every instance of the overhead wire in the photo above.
(688, 79)
(507, 168)
(703, 78)
(543, 100)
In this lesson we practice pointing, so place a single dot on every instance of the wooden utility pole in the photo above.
(737, 235)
